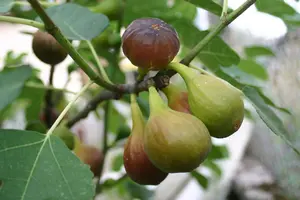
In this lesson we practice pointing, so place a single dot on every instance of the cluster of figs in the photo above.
(176, 138)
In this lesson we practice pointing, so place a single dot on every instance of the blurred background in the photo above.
(258, 165)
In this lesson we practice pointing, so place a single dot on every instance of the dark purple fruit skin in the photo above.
(47, 49)
(137, 164)
(150, 43)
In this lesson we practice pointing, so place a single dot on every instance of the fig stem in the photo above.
(66, 44)
(184, 71)
(100, 67)
(225, 9)
(136, 113)
(66, 109)
(22, 21)
(155, 101)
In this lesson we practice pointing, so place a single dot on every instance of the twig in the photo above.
(66, 109)
(161, 80)
(43, 3)
(18, 20)
(40, 86)
(232, 16)
(49, 99)
(107, 108)
(56, 33)
(100, 67)
(225, 9)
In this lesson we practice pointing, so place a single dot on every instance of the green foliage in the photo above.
(34, 165)
(255, 51)
(117, 163)
(81, 20)
(5, 5)
(11, 84)
(208, 5)
(201, 179)
(253, 68)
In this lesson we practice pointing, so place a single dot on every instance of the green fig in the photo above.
(136, 162)
(174, 141)
(89, 155)
(177, 98)
(65, 135)
(218, 104)
(47, 49)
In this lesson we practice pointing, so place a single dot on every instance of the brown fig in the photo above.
(136, 162)
(150, 43)
(89, 155)
(213, 100)
(174, 141)
(177, 98)
(47, 49)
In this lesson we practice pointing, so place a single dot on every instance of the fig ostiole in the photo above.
(217, 103)
(150, 43)
(136, 162)
(174, 141)
(177, 98)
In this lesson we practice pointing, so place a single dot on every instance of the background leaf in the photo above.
(255, 51)
(207, 5)
(33, 168)
(5, 5)
(202, 180)
(77, 22)
(253, 68)
(12, 83)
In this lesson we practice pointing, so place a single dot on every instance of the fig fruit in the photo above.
(150, 43)
(65, 135)
(89, 155)
(136, 162)
(177, 98)
(214, 101)
(47, 49)
(174, 141)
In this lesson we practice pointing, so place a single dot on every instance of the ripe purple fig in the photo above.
(174, 141)
(214, 101)
(136, 162)
(47, 49)
(177, 98)
(150, 43)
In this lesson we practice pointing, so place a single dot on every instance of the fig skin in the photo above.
(177, 98)
(214, 101)
(136, 162)
(89, 155)
(47, 49)
(150, 43)
(174, 141)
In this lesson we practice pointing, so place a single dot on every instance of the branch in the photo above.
(18, 20)
(56, 33)
(49, 99)
(161, 79)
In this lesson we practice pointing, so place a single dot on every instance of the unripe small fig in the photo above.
(136, 162)
(89, 155)
(174, 141)
(150, 43)
(177, 98)
(65, 135)
(213, 100)
(47, 49)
